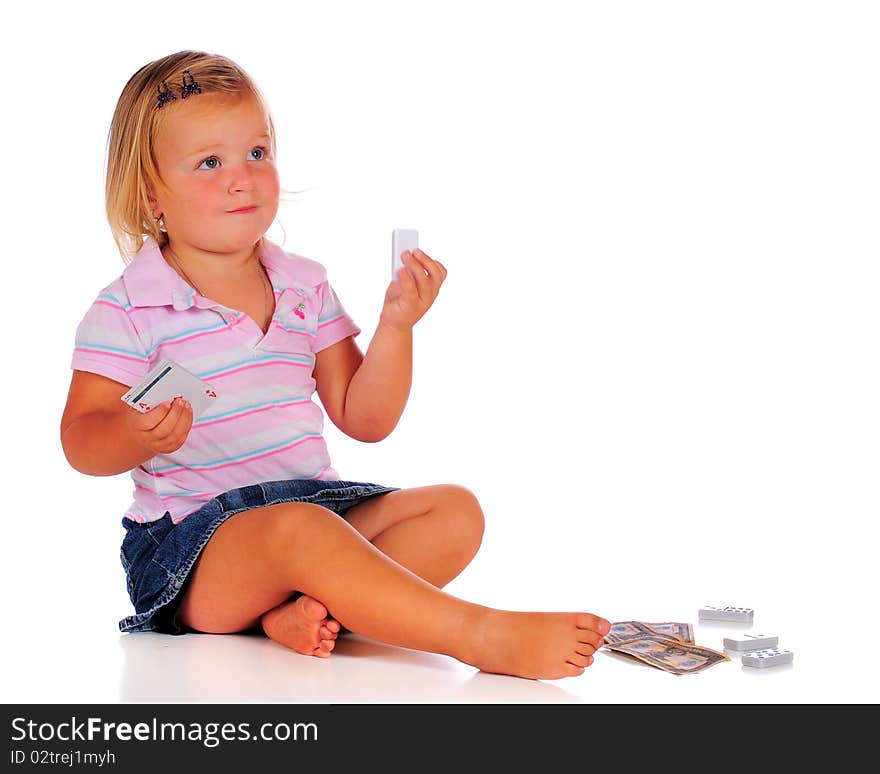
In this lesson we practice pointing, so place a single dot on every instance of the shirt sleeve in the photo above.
(107, 343)
(334, 324)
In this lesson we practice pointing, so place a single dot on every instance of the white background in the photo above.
(654, 359)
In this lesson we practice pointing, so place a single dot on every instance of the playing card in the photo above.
(165, 382)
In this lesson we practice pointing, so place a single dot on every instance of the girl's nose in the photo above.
(241, 179)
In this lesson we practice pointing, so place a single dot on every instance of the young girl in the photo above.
(238, 519)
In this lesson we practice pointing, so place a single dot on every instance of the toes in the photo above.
(590, 638)
(311, 608)
(579, 659)
(580, 663)
(584, 649)
(571, 670)
(333, 625)
(327, 645)
(592, 623)
(326, 633)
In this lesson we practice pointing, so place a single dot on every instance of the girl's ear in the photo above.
(154, 204)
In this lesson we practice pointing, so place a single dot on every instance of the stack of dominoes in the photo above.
(761, 650)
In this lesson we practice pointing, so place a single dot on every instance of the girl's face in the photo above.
(213, 153)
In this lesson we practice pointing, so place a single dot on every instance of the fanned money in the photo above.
(668, 646)
(624, 630)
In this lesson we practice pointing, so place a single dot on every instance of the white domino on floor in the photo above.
(767, 658)
(751, 642)
(728, 613)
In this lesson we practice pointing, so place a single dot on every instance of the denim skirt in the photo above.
(158, 556)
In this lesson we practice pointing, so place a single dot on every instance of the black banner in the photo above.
(168, 737)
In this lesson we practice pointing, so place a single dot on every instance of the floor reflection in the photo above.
(252, 668)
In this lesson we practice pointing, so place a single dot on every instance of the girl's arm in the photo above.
(364, 395)
(102, 436)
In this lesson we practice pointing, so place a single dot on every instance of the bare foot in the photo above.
(540, 646)
(303, 625)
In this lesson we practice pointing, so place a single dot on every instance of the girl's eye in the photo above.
(259, 148)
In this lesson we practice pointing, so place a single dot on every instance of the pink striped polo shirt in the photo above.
(264, 425)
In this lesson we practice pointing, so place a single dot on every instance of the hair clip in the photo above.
(189, 88)
(164, 96)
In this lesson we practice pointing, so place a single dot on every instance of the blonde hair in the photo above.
(131, 160)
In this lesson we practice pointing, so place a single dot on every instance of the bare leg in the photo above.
(256, 558)
(433, 531)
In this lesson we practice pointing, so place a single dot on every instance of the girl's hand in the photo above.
(412, 293)
(164, 428)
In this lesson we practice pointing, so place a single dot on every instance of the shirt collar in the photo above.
(150, 281)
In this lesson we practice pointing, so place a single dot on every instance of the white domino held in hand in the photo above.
(767, 658)
(727, 613)
(751, 642)
(402, 239)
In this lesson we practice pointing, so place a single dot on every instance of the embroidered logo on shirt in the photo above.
(300, 311)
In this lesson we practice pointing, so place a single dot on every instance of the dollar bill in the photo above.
(668, 646)
(625, 630)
